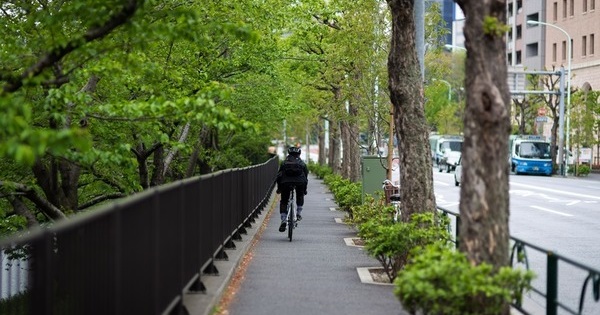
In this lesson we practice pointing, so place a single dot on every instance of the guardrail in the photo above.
(138, 255)
(551, 293)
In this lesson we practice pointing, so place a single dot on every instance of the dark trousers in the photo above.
(285, 190)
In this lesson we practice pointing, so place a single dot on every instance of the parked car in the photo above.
(458, 172)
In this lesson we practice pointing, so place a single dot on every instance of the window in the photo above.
(572, 8)
(519, 32)
(518, 57)
(591, 44)
(564, 9)
(533, 17)
(583, 45)
(585, 6)
(555, 11)
(571, 49)
(592, 5)
(564, 50)
(531, 50)
(554, 52)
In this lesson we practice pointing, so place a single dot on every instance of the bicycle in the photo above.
(392, 193)
(291, 213)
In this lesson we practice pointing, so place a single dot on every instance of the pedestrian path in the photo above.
(316, 273)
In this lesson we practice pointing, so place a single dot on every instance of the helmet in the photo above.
(294, 150)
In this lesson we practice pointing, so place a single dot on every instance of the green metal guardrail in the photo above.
(519, 252)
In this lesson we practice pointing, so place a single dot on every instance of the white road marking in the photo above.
(552, 211)
(557, 191)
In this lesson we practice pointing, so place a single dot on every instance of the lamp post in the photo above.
(530, 22)
(453, 47)
(449, 88)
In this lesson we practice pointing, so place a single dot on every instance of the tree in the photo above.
(105, 99)
(406, 94)
(484, 198)
(584, 121)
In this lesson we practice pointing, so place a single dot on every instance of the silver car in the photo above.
(458, 172)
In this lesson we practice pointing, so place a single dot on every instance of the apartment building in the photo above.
(540, 46)
(524, 43)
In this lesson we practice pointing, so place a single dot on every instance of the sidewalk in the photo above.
(316, 273)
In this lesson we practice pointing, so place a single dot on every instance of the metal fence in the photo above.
(554, 302)
(138, 255)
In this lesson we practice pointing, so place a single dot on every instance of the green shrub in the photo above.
(371, 209)
(440, 280)
(349, 195)
(582, 169)
(391, 244)
(345, 192)
(18, 304)
(319, 170)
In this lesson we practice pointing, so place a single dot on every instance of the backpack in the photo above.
(292, 167)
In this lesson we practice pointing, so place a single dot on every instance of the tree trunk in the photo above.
(69, 179)
(406, 94)
(322, 152)
(173, 152)
(159, 161)
(348, 147)
(141, 155)
(484, 199)
(352, 152)
(22, 210)
(335, 159)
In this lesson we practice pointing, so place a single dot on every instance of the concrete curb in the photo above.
(216, 285)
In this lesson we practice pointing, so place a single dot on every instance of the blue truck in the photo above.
(530, 154)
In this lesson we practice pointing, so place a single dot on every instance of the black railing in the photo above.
(591, 283)
(139, 255)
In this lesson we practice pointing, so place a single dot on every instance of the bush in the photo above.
(582, 170)
(18, 304)
(319, 170)
(371, 209)
(346, 193)
(391, 244)
(440, 280)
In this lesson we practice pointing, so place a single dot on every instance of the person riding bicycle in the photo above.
(292, 173)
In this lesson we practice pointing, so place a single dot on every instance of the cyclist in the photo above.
(292, 173)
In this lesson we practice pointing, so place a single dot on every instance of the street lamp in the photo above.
(531, 22)
(449, 87)
(453, 47)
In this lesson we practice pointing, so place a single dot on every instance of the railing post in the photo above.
(551, 284)
(457, 230)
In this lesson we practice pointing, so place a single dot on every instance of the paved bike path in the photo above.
(316, 273)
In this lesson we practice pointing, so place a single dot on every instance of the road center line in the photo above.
(556, 191)
(552, 211)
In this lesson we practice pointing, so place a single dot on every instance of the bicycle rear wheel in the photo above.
(290, 222)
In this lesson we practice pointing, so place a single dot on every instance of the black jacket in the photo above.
(282, 178)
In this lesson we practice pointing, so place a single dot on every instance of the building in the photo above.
(565, 29)
(541, 47)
